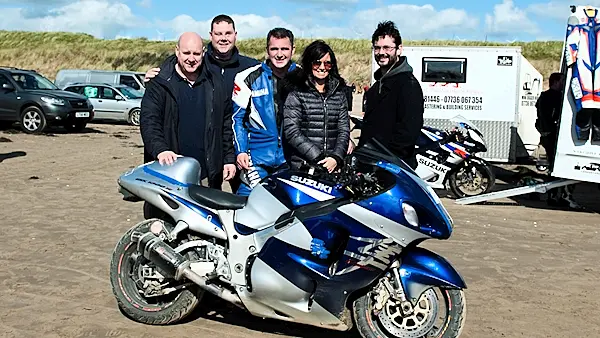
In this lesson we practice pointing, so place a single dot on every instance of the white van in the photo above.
(494, 87)
(135, 80)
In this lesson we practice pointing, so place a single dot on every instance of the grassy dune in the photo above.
(50, 52)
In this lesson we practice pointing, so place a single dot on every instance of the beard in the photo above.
(386, 60)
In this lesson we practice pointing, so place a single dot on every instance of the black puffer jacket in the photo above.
(315, 125)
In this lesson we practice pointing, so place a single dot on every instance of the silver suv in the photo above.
(113, 102)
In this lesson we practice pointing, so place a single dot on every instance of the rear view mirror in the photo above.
(8, 86)
(119, 98)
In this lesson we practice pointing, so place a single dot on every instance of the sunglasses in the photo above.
(326, 64)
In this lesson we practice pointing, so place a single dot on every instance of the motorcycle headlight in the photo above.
(410, 214)
(53, 100)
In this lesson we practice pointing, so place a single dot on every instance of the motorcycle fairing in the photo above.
(361, 244)
(406, 190)
(167, 188)
(420, 269)
(276, 272)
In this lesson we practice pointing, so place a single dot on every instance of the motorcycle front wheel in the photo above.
(439, 313)
(472, 179)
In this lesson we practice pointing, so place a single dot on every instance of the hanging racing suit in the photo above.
(582, 53)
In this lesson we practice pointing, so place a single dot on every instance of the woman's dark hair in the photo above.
(314, 52)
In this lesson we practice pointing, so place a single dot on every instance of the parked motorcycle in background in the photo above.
(447, 159)
(334, 251)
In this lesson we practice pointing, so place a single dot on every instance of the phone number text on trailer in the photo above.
(453, 102)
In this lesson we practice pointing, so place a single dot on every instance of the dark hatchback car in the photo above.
(35, 102)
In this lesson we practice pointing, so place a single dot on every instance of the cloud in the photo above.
(35, 2)
(336, 13)
(326, 2)
(145, 3)
(307, 22)
(509, 21)
(247, 25)
(316, 19)
(415, 22)
(552, 9)
(253, 26)
(100, 18)
(557, 10)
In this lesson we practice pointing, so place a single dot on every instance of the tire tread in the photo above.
(182, 306)
(487, 170)
(360, 310)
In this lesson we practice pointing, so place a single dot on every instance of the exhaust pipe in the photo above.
(174, 265)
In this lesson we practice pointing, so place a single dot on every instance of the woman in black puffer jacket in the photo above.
(315, 113)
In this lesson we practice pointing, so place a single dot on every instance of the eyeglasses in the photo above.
(317, 64)
(386, 49)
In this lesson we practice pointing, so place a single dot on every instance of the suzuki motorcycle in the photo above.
(335, 251)
(447, 158)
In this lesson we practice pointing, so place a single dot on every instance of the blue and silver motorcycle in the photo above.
(334, 251)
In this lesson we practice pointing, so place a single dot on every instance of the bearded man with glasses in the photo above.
(394, 105)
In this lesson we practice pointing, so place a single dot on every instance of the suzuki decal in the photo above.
(433, 165)
(312, 183)
(309, 190)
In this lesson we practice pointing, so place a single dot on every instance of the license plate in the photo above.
(82, 114)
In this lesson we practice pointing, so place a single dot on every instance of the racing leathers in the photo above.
(257, 123)
(582, 52)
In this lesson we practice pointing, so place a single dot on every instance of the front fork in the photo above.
(390, 286)
(414, 272)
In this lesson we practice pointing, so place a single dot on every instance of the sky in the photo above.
(492, 20)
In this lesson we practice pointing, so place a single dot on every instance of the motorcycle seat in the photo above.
(216, 199)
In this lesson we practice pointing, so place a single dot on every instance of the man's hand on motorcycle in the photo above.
(151, 73)
(228, 171)
(243, 161)
(329, 163)
(167, 157)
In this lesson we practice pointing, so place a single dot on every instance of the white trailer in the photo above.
(494, 87)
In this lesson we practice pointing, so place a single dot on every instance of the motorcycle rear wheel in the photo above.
(482, 171)
(125, 280)
(451, 310)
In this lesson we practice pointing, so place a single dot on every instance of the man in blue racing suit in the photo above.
(256, 111)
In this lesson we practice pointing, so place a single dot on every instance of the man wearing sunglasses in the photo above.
(394, 105)
(257, 115)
